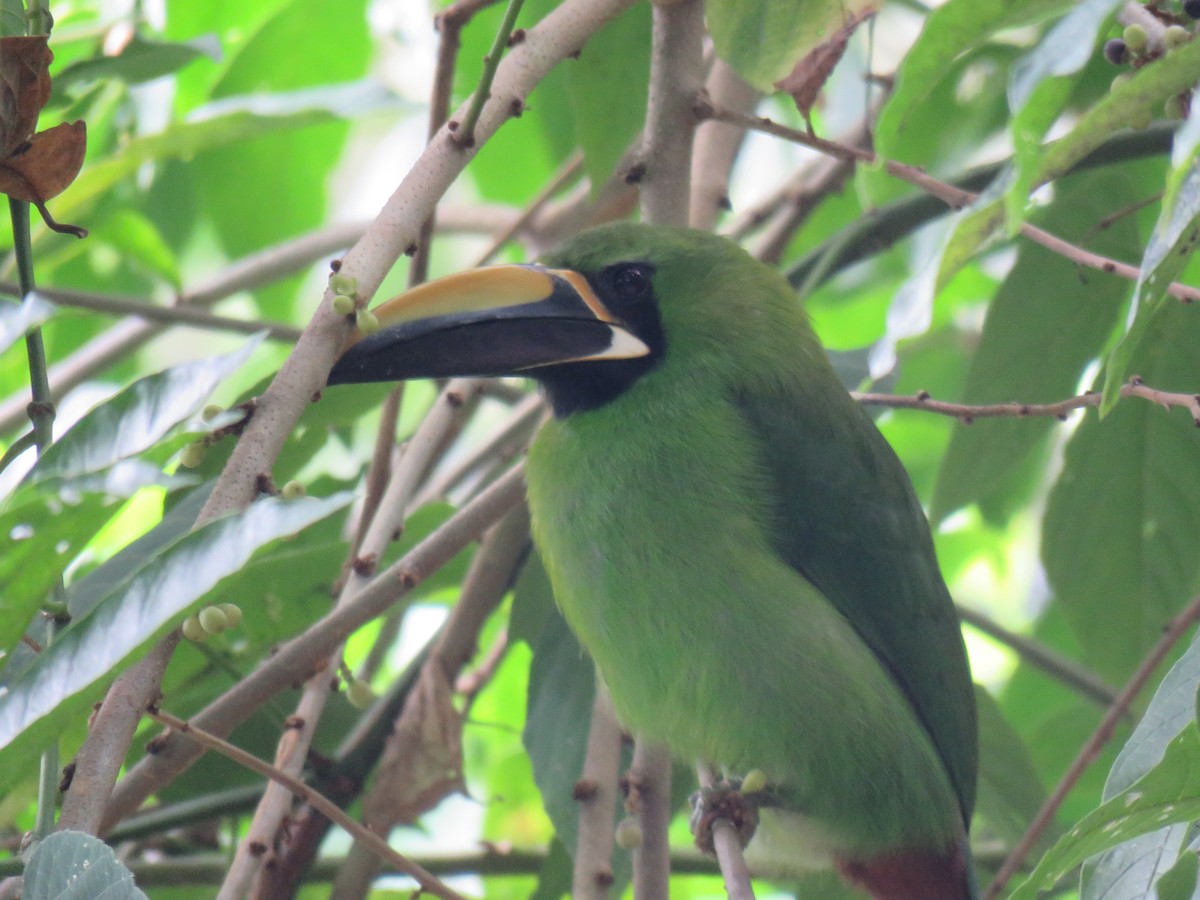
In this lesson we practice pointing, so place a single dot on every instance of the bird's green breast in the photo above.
(652, 514)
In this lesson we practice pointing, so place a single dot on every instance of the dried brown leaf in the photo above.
(46, 165)
(24, 88)
(809, 75)
(422, 761)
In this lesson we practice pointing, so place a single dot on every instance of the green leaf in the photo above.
(937, 63)
(1039, 88)
(82, 595)
(1180, 882)
(1168, 794)
(138, 417)
(1010, 791)
(1171, 245)
(608, 86)
(139, 61)
(59, 686)
(1129, 870)
(762, 40)
(1044, 310)
(18, 319)
(138, 239)
(1118, 534)
(72, 865)
(45, 526)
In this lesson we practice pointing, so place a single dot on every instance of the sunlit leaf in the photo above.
(16, 319)
(58, 686)
(138, 417)
(1132, 868)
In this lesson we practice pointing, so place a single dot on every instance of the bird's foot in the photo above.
(735, 800)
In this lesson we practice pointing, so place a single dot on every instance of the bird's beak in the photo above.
(500, 320)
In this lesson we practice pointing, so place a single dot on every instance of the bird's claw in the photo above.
(724, 800)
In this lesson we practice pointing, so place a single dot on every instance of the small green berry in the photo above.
(340, 283)
(629, 834)
(755, 781)
(366, 321)
(360, 695)
(193, 630)
(293, 490)
(1116, 52)
(193, 455)
(1120, 81)
(343, 305)
(213, 619)
(1176, 36)
(211, 411)
(233, 613)
(1135, 37)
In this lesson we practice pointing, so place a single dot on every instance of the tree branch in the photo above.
(969, 412)
(954, 197)
(429, 882)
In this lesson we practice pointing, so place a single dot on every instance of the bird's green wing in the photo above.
(848, 520)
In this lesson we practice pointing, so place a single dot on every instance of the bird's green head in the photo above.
(604, 310)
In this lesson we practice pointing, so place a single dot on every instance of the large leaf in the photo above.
(1119, 532)
(1131, 869)
(1168, 794)
(1010, 792)
(608, 88)
(58, 686)
(1043, 311)
(82, 595)
(139, 61)
(46, 525)
(952, 31)
(138, 417)
(1039, 89)
(72, 865)
(1170, 247)
(762, 40)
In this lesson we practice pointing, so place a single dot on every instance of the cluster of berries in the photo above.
(1136, 48)
(212, 620)
(345, 302)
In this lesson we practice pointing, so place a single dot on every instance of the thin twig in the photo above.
(954, 197)
(151, 312)
(1088, 753)
(969, 412)
(1064, 670)
(649, 798)
(465, 131)
(429, 882)
(566, 173)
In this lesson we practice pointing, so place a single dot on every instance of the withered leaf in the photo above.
(46, 165)
(34, 167)
(810, 73)
(24, 88)
(422, 762)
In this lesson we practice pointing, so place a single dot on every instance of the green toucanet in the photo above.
(731, 538)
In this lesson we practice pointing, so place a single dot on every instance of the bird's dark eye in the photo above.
(629, 281)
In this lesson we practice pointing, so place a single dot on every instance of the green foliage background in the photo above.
(224, 130)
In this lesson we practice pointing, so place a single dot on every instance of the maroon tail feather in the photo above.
(911, 875)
